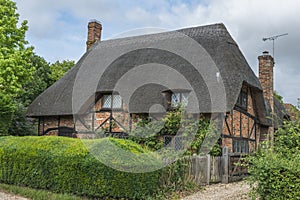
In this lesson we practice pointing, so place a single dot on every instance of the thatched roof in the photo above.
(152, 52)
(280, 113)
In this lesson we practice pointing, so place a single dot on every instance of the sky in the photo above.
(58, 29)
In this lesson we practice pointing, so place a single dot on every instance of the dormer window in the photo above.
(111, 101)
(179, 98)
(242, 101)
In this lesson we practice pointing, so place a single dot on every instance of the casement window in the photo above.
(175, 142)
(111, 101)
(242, 101)
(240, 146)
(179, 98)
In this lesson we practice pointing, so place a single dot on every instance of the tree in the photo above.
(43, 77)
(58, 69)
(21, 125)
(278, 97)
(41, 80)
(15, 66)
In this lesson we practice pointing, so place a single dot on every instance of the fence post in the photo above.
(195, 163)
(208, 169)
(225, 158)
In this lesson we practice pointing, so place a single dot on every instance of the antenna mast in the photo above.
(273, 38)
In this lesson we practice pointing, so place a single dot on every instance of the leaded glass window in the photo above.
(111, 101)
(106, 103)
(179, 98)
(174, 142)
(117, 101)
(175, 99)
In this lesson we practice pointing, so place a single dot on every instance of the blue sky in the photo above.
(58, 29)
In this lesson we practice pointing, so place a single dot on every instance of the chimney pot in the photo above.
(265, 53)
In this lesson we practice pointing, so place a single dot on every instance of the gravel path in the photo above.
(6, 196)
(231, 191)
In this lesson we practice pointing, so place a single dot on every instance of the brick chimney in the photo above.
(94, 33)
(266, 78)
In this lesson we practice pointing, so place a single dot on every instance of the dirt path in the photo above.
(231, 191)
(6, 196)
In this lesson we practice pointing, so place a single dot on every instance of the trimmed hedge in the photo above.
(64, 165)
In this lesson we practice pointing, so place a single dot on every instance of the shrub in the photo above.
(274, 176)
(275, 172)
(178, 122)
(64, 165)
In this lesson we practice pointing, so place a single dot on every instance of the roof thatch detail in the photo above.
(280, 113)
(83, 80)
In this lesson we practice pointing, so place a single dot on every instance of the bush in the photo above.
(22, 125)
(64, 165)
(275, 176)
(275, 172)
(178, 122)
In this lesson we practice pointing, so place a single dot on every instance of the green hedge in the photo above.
(65, 165)
(275, 172)
(275, 176)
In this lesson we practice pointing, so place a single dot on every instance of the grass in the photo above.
(36, 194)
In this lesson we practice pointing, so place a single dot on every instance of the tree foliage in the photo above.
(15, 57)
(58, 69)
(278, 97)
(15, 66)
(44, 75)
(41, 80)
(23, 75)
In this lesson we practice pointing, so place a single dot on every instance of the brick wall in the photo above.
(240, 125)
(50, 122)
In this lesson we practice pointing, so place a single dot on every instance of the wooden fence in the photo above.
(207, 169)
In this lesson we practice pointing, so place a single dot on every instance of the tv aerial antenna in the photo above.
(273, 38)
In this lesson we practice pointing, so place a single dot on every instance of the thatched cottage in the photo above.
(249, 99)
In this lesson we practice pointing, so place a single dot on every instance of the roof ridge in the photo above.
(212, 29)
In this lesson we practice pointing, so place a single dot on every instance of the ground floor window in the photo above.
(240, 145)
(175, 142)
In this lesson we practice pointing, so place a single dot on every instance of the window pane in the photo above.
(117, 101)
(243, 146)
(175, 99)
(244, 99)
(184, 99)
(235, 146)
(167, 140)
(178, 143)
(106, 103)
(247, 147)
